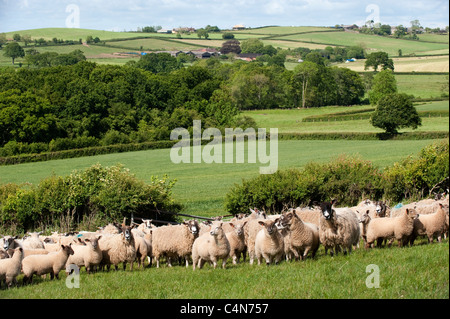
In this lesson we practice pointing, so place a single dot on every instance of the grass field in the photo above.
(370, 42)
(283, 37)
(418, 272)
(438, 63)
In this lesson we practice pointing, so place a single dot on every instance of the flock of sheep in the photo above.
(296, 233)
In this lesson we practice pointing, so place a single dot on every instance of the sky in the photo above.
(128, 15)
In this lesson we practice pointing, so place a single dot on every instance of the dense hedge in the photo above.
(348, 179)
(84, 199)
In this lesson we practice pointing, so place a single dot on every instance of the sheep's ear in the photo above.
(261, 223)
(441, 206)
(334, 201)
(98, 238)
(367, 212)
(232, 225)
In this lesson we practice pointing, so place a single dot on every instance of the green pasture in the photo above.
(423, 86)
(290, 121)
(418, 272)
(370, 42)
(201, 188)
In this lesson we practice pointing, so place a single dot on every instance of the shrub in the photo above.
(418, 177)
(92, 197)
(348, 179)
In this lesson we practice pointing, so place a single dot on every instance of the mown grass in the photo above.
(421, 271)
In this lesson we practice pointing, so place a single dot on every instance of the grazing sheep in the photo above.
(338, 228)
(174, 241)
(303, 237)
(211, 247)
(88, 255)
(10, 268)
(29, 252)
(43, 264)
(118, 248)
(399, 228)
(431, 225)
(269, 243)
(236, 239)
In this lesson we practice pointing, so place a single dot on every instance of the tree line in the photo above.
(86, 104)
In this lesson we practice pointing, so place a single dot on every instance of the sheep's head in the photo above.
(365, 218)
(216, 229)
(93, 241)
(258, 213)
(239, 228)
(68, 249)
(126, 231)
(380, 208)
(412, 213)
(8, 242)
(326, 208)
(193, 226)
(270, 225)
(285, 220)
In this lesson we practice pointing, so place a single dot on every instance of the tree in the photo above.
(304, 73)
(13, 50)
(228, 36)
(158, 63)
(202, 33)
(231, 46)
(395, 111)
(384, 83)
(379, 58)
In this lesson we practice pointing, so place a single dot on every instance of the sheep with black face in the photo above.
(338, 228)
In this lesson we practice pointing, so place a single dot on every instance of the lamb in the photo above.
(400, 228)
(88, 255)
(302, 237)
(143, 245)
(118, 248)
(174, 241)
(43, 264)
(338, 228)
(211, 247)
(269, 243)
(431, 225)
(10, 268)
(236, 239)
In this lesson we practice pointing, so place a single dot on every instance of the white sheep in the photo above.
(400, 228)
(211, 247)
(88, 255)
(143, 245)
(10, 267)
(269, 243)
(118, 248)
(251, 230)
(51, 263)
(174, 241)
(236, 239)
(338, 228)
(33, 242)
(431, 225)
(302, 237)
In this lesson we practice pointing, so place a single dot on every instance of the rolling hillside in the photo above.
(429, 54)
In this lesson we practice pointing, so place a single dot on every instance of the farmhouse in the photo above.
(248, 56)
(238, 27)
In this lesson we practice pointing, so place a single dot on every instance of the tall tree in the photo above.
(304, 74)
(384, 83)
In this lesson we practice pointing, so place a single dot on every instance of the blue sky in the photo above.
(120, 15)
